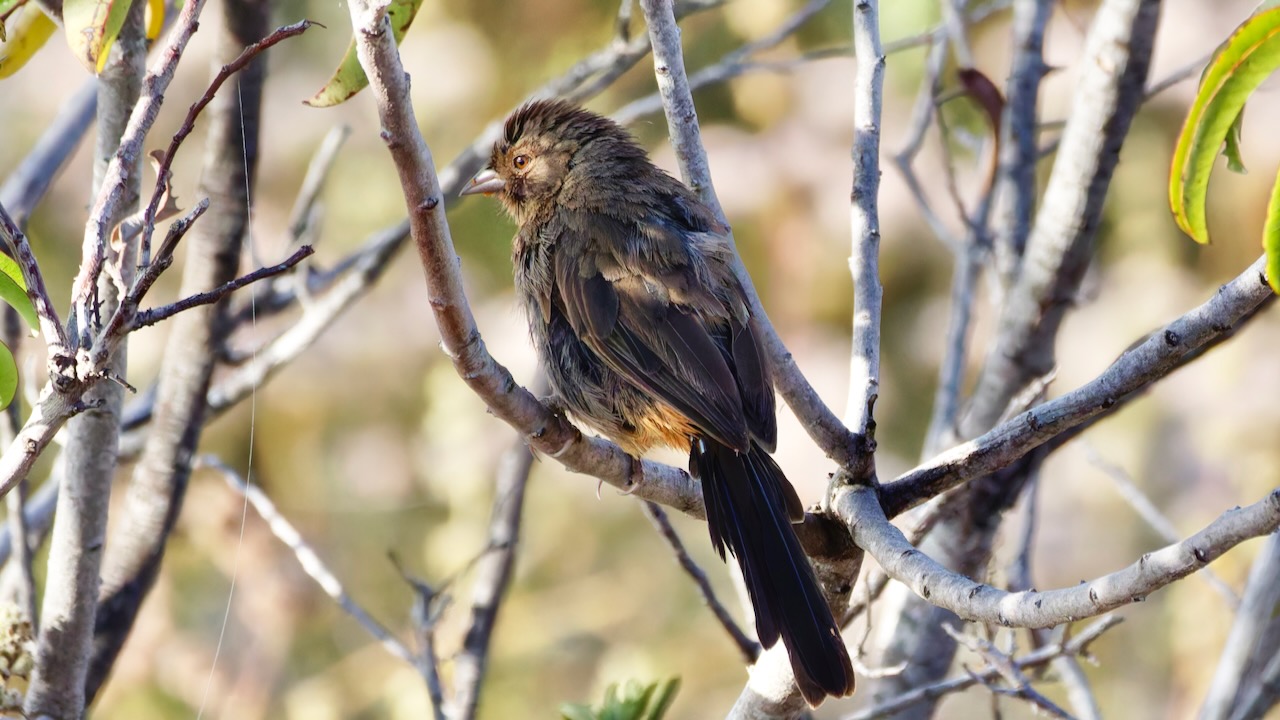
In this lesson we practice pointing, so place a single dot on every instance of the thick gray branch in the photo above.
(159, 482)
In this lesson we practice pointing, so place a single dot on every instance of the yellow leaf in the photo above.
(29, 28)
(92, 27)
(155, 18)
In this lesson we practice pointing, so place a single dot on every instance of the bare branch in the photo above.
(750, 649)
(1245, 667)
(307, 558)
(1020, 153)
(158, 485)
(493, 576)
(1006, 669)
(1078, 645)
(114, 186)
(79, 532)
(37, 293)
(1161, 353)
(151, 317)
(1115, 63)
(317, 172)
(1155, 519)
(864, 217)
(188, 124)
(428, 605)
(982, 603)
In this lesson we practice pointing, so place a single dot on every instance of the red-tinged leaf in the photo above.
(92, 27)
(984, 92)
(349, 78)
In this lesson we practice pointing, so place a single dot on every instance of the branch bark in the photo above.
(978, 602)
(79, 533)
(154, 498)
(864, 218)
(493, 576)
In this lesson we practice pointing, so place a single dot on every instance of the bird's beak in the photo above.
(486, 182)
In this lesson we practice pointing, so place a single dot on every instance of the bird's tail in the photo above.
(750, 506)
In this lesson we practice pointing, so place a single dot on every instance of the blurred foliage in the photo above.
(636, 701)
(370, 442)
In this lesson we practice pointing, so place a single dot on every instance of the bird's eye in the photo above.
(520, 161)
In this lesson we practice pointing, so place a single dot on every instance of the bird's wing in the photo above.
(631, 322)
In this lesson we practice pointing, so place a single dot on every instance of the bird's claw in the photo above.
(635, 475)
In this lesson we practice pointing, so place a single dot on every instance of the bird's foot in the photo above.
(635, 475)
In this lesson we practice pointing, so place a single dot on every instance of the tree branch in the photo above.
(1162, 352)
(155, 494)
(864, 217)
(493, 575)
(982, 603)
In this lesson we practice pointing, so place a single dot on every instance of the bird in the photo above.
(646, 336)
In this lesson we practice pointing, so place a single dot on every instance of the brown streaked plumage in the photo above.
(646, 336)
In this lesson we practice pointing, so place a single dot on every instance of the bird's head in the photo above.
(548, 145)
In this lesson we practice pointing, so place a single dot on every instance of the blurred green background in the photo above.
(371, 444)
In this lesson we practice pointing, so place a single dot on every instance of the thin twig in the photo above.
(1155, 519)
(493, 576)
(750, 649)
(1006, 669)
(155, 315)
(313, 182)
(122, 165)
(37, 293)
(922, 114)
(188, 124)
(307, 557)
(1017, 185)
(1076, 646)
(428, 605)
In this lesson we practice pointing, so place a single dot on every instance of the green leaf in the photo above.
(635, 701)
(29, 29)
(1231, 151)
(664, 696)
(92, 27)
(13, 290)
(8, 376)
(1271, 237)
(1244, 61)
(575, 711)
(349, 78)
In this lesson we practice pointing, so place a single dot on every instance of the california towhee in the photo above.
(646, 336)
